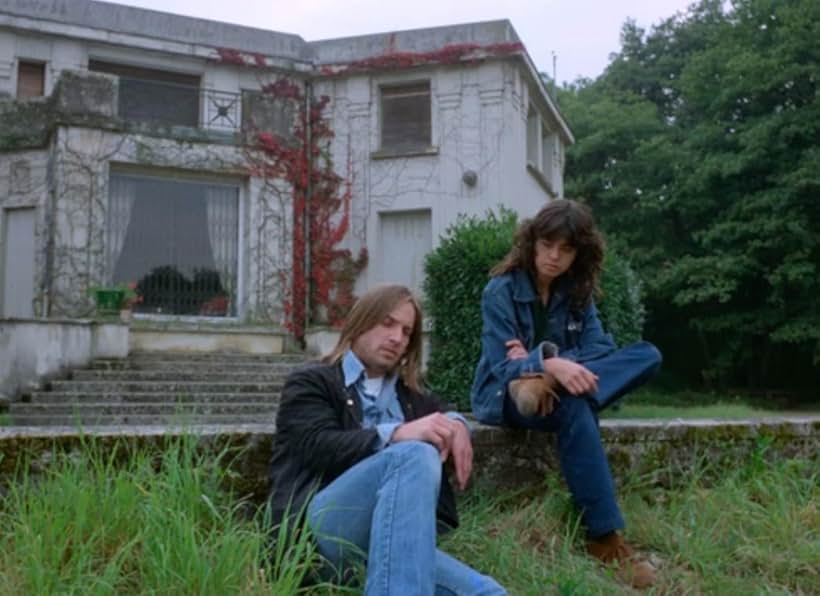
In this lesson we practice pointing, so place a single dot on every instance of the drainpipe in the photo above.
(307, 218)
(47, 286)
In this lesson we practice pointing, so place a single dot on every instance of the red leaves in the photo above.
(321, 203)
(449, 54)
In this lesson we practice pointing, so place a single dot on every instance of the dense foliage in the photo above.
(456, 273)
(698, 148)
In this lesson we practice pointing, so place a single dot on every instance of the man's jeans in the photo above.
(583, 460)
(385, 506)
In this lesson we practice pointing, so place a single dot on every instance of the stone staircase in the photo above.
(150, 388)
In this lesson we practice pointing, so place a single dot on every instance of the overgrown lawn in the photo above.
(139, 523)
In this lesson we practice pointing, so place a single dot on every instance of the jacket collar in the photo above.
(522, 286)
(523, 290)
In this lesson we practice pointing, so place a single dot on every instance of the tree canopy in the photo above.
(697, 149)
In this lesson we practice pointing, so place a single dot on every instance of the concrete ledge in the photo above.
(657, 452)
(247, 340)
(37, 349)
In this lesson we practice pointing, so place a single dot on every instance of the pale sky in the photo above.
(581, 33)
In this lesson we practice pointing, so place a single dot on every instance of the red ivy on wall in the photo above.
(321, 205)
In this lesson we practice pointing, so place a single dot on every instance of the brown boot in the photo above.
(534, 394)
(612, 548)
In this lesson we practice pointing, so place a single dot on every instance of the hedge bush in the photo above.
(455, 275)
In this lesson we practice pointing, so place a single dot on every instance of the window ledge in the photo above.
(541, 179)
(393, 154)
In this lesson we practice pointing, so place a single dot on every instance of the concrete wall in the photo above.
(479, 119)
(660, 454)
(31, 350)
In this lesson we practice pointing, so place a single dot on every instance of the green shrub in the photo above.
(620, 305)
(456, 273)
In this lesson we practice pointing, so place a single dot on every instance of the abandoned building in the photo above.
(201, 161)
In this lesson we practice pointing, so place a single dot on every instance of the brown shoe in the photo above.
(612, 548)
(534, 394)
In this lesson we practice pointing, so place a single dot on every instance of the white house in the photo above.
(126, 153)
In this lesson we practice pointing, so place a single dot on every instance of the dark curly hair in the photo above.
(572, 222)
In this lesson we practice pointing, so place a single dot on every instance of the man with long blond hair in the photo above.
(360, 448)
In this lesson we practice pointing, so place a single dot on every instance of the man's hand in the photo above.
(461, 449)
(575, 378)
(450, 437)
(435, 429)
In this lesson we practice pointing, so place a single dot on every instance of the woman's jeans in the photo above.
(583, 460)
(383, 510)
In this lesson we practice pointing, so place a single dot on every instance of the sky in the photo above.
(581, 34)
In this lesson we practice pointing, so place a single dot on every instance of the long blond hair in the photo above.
(370, 310)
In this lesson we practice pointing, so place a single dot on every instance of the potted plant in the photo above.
(119, 298)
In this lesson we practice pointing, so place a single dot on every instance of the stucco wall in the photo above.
(478, 124)
(31, 350)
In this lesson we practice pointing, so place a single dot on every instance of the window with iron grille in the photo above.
(405, 118)
(31, 79)
(154, 96)
(176, 240)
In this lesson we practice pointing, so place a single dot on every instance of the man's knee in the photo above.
(419, 455)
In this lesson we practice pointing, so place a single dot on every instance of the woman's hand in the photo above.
(515, 349)
(575, 378)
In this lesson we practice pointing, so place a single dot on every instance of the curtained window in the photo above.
(177, 240)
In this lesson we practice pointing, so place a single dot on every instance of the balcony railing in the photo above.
(172, 104)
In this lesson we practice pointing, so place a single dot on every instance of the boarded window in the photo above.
(406, 118)
(154, 96)
(31, 79)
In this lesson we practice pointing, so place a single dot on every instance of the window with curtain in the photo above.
(177, 241)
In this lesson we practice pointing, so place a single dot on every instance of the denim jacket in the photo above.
(506, 312)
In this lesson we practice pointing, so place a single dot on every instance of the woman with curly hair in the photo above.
(547, 364)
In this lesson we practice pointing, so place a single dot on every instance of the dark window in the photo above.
(154, 96)
(176, 240)
(31, 79)
(406, 118)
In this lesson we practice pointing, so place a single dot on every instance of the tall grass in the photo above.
(141, 522)
(754, 529)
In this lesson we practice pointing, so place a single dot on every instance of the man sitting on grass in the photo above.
(362, 446)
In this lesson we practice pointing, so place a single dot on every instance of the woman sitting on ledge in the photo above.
(547, 364)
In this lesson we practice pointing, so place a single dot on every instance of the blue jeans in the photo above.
(383, 510)
(580, 452)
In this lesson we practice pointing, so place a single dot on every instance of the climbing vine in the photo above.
(321, 277)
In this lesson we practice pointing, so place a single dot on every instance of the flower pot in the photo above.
(126, 314)
(108, 301)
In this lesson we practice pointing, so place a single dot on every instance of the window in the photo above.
(405, 118)
(31, 79)
(533, 124)
(543, 152)
(154, 96)
(177, 240)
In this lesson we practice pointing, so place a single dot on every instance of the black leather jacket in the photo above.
(319, 435)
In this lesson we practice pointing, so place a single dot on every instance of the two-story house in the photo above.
(129, 154)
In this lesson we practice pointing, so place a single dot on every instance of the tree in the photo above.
(697, 147)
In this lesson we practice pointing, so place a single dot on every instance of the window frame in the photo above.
(399, 89)
(27, 63)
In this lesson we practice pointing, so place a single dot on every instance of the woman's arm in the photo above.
(498, 328)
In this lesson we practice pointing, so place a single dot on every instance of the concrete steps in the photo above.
(161, 388)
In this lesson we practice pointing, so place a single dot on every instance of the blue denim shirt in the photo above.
(506, 313)
(382, 412)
